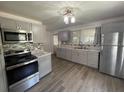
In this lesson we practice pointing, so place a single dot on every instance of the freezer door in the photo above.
(108, 58)
(110, 39)
(120, 57)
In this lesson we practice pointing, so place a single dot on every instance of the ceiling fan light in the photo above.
(73, 19)
(66, 19)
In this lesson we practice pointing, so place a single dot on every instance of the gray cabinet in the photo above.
(64, 36)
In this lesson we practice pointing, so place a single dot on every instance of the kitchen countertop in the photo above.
(94, 50)
(40, 53)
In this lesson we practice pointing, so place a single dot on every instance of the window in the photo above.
(75, 37)
(55, 40)
(87, 36)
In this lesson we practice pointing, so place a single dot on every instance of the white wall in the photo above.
(92, 24)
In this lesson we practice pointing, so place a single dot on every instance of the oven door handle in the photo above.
(21, 64)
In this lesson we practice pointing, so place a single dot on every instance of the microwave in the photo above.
(16, 36)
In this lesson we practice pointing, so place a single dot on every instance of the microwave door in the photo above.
(10, 37)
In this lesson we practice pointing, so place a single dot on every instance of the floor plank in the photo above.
(71, 77)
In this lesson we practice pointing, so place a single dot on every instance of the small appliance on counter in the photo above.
(21, 69)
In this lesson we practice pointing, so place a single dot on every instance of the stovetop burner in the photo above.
(13, 52)
(12, 59)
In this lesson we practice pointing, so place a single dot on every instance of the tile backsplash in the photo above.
(18, 46)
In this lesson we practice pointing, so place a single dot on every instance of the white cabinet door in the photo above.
(39, 33)
(93, 59)
(58, 52)
(75, 56)
(44, 34)
(69, 54)
(36, 33)
(63, 53)
(83, 57)
(8, 23)
(23, 26)
(44, 65)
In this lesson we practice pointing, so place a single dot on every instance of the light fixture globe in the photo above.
(73, 19)
(68, 15)
(66, 19)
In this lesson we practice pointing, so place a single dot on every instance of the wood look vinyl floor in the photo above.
(71, 77)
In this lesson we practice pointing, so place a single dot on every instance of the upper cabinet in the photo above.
(14, 24)
(23, 26)
(39, 33)
(7, 23)
(64, 36)
(38, 30)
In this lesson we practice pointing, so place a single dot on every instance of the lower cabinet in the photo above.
(44, 65)
(68, 54)
(92, 59)
(75, 56)
(85, 57)
(58, 52)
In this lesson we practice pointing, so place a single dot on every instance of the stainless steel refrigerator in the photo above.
(112, 54)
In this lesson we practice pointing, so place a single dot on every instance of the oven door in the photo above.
(21, 71)
(13, 37)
